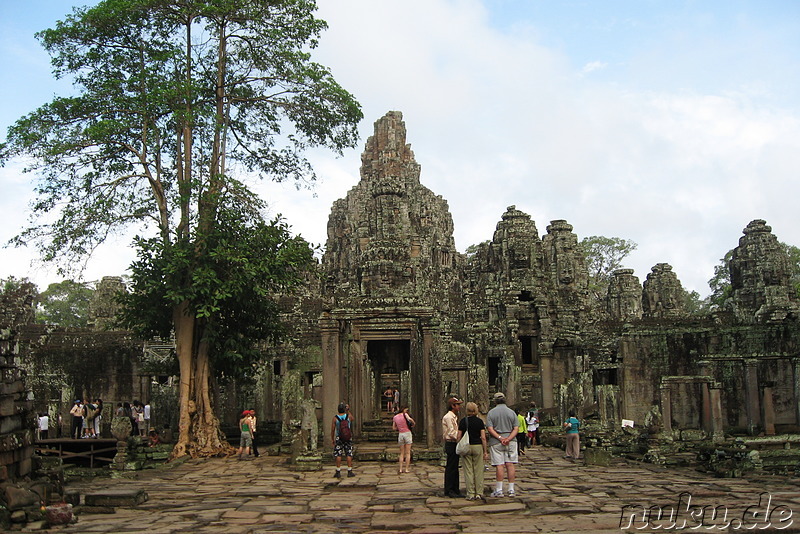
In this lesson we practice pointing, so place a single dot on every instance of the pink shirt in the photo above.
(400, 423)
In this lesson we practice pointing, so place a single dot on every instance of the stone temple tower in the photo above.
(391, 279)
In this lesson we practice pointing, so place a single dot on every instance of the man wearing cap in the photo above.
(449, 434)
(502, 425)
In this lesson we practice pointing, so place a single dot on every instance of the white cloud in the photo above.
(593, 66)
(497, 119)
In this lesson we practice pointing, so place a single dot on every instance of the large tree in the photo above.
(173, 98)
(603, 256)
(65, 303)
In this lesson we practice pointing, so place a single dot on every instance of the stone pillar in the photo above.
(796, 389)
(769, 411)
(546, 362)
(666, 407)
(752, 404)
(431, 398)
(706, 411)
(331, 379)
(715, 394)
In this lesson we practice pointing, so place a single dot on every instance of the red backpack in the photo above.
(345, 434)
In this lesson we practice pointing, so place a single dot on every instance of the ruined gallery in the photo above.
(397, 305)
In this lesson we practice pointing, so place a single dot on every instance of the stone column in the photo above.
(546, 362)
(331, 364)
(796, 389)
(431, 399)
(752, 404)
(666, 407)
(769, 411)
(705, 414)
(715, 393)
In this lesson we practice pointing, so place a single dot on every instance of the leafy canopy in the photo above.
(65, 303)
(172, 98)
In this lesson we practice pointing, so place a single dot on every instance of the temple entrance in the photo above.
(389, 359)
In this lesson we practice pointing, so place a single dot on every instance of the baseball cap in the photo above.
(499, 396)
(454, 400)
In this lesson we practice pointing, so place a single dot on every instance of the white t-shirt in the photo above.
(43, 422)
(147, 411)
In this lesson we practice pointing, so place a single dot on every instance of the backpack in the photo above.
(91, 412)
(345, 434)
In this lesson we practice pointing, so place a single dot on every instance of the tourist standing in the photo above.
(450, 435)
(77, 420)
(572, 425)
(388, 395)
(402, 423)
(396, 395)
(146, 412)
(98, 417)
(44, 421)
(88, 418)
(342, 437)
(478, 454)
(503, 425)
(137, 415)
(522, 433)
(255, 432)
(246, 437)
(532, 422)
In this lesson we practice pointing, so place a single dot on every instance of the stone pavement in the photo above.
(553, 495)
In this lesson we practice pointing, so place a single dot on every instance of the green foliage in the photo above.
(246, 261)
(65, 304)
(603, 256)
(169, 96)
(172, 99)
(720, 283)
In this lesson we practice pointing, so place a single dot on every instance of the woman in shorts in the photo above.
(402, 423)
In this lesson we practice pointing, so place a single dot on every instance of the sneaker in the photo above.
(512, 493)
(497, 494)
(337, 474)
(351, 474)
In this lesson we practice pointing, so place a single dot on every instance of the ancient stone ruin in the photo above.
(399, 305)
(395, 304)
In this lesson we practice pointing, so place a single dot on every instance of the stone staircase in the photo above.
(379, 430)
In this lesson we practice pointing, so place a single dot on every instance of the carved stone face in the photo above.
(565, 270)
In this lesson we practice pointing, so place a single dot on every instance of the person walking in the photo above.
(342, 436)
(403, 423)
(478, 454)
(502, 425)
(572, 425)
(449, 434)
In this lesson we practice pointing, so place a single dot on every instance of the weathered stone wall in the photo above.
(17, 418)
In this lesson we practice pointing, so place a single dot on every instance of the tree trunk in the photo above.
(199, 430)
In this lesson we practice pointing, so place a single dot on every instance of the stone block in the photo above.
(121, 497)
(597, 457)
(17, 498)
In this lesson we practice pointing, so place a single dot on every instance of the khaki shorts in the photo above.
(504, 454)
(405, 438)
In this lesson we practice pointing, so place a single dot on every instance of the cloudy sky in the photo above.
(670, 123)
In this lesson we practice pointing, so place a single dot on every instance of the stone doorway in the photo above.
(390, 361)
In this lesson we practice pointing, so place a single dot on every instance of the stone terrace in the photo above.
(554, 495)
